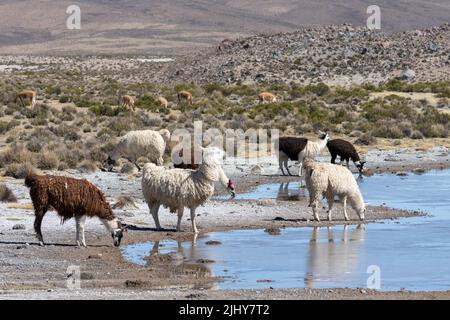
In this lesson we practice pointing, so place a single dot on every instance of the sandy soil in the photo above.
(30, 271)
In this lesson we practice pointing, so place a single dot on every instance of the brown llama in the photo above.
(185, 95)
(26, 95)
(71, 198)
(128, 101)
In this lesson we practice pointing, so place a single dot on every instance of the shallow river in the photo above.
(410, 253)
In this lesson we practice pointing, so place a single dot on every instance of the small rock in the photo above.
(213, 243)
(133, 283)
(257, 170)
(273, 231)
(419, 170)
(86, 276)
(266, 202)
(205, 261)
(408, 74)
(19, 227)
(196, 296)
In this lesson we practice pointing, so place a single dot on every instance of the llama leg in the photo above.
(333, 158)
(315, 208)
(180, 216)
(194, 226)
(330, 200)
(80, 221)
(154, 208)
(344, 204)
(286, 162)
(280, 164)
(301, 157)
(40, 212)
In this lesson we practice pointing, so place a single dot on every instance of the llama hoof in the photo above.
(81, 245)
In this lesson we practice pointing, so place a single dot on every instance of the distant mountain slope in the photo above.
(173, 26)
(340, 55)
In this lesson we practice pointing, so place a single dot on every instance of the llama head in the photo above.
(360, 166)
(324, 136)
(308, 164)
(231, 188)
(117, 233)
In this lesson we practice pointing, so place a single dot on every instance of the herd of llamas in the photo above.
(189, 185)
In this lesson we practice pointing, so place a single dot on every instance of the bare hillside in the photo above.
(174, 26)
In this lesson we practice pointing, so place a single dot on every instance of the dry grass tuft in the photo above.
(6, 195)
(123, 202)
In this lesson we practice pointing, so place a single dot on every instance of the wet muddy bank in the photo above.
(193, 294)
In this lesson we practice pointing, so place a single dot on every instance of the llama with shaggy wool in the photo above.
(71, 198)
(141, 143)
(177, 189)
(328, 180)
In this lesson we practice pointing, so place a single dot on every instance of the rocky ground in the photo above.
(339, 55)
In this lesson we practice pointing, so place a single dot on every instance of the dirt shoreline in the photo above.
(28, 271)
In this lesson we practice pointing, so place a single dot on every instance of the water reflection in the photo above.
(330, 259)
(290, 193)
(146, 253)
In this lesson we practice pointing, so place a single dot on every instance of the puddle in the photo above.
(289, 191)
(412, 253)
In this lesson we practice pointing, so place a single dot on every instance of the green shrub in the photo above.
(5, 126)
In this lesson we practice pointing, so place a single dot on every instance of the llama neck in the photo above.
(111, 225)
(321, 144)
(214, 173)
(222, 176)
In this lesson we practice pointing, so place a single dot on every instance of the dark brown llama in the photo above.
(71, 198)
